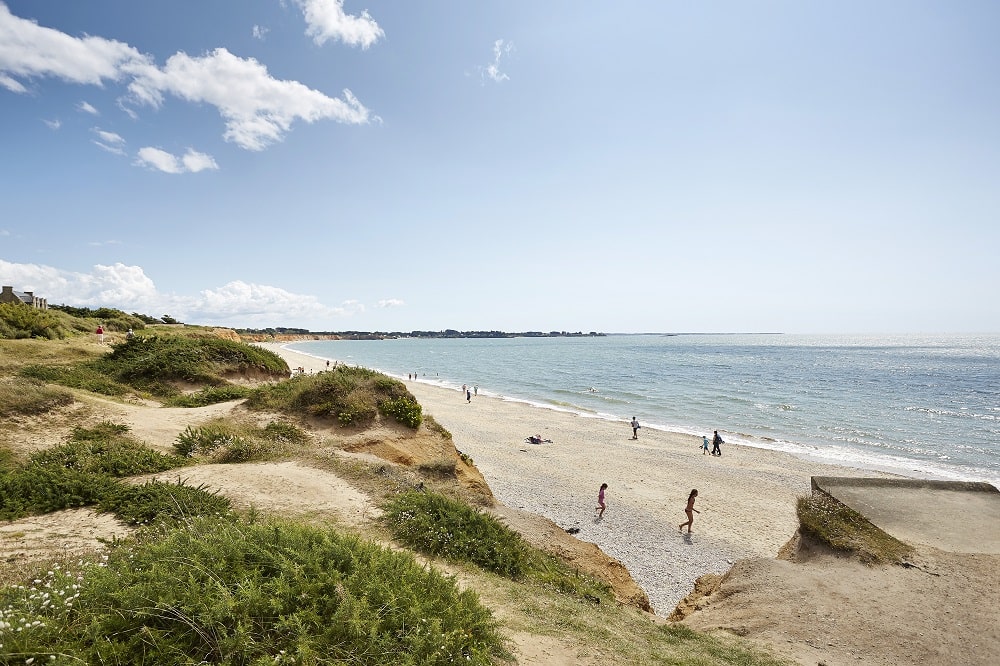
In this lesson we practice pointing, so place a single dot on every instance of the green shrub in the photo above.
(227, 592)
(34, 489)
(22, 395)
(351, 396)
(78, 376)
(209, 395)
(405, 410)
(105, 449)
(436, 525)
(18, 321)
(282, 432)
(204, 439)
(229, 442)
(156, 501)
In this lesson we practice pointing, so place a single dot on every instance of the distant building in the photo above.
(25, 297)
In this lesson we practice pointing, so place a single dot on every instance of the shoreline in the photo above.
(859, 461)
(746, 497)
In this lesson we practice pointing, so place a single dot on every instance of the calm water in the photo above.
(926, 406)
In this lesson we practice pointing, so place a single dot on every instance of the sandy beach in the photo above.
(746, 497)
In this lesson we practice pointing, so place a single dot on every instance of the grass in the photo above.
(346, 395)
(235, 592)
(25, 396)
(844, 529)
(157, 365)
(228, 441)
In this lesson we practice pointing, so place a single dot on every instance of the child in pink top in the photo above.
(600, 500)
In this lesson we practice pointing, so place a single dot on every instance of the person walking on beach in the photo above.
(635, 428)
(716, 441)
(600, 501)
(688, 510)
(475, 390)
(468, 395)
(704, 444)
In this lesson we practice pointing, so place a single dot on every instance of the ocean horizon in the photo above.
(921, 406)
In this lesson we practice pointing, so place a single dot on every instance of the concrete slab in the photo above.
(954, 516)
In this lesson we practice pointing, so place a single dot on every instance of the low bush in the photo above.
(34, 489)
(231, 442)
(156, 501)
(229, 592)
(209, 395)
(350, 396)
(436, 525)
(105, 449)
(26, 396)
(18, 321)
(81, 376)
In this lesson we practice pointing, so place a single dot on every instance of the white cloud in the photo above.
(4, 232)
(109, 141)
(259, 32)
(104, 243)
(257, 108)
(114, 150)
(28, 50)
(110, 138)
(191, 162)
(53, 124)
(128, 288)
(390, 303)
(492, 71)
(326, 19)
(194, 161)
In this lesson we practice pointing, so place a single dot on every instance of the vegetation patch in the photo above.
(843, 529)
(225, 441)
(18, 321)
(436, 525)
(231, 592)
(209, 395)
(154, 365)
(107, 448)
(349, 395)
(25, 396)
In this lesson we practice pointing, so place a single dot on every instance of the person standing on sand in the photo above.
(600, 500)
(468, 395)
(688, 510)
(716, 441)
(635, 428)
(704, 444)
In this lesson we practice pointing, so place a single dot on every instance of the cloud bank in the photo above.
(236, 304)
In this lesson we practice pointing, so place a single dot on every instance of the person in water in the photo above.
(690, 511)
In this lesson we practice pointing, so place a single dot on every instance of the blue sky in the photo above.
(581, 166)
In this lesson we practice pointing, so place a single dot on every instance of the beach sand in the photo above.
(746, 497)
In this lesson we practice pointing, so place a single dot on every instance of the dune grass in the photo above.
(347, 395)
(220, 591)
(230, 441)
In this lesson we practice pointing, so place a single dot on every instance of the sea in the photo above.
(921, 406)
